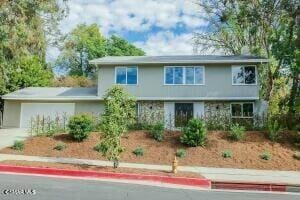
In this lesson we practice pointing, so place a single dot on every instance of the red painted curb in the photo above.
(249, 186)
(197, 182)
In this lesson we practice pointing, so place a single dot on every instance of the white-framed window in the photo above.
(184, 75)
(244, 75)
(242, 110)
(126, 75)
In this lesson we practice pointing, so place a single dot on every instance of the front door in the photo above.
(183, 113)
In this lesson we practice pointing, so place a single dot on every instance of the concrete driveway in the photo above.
(8, 136)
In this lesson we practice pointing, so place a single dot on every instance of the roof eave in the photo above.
(252, 61)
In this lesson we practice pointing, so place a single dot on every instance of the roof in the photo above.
(53, 93)
(178, 59)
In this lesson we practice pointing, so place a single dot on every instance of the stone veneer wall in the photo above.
(150, 111)
(214, 108)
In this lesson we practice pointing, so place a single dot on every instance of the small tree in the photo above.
(118, 115)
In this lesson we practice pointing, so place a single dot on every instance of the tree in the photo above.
(29, 71)
(118, 115)
(85, 43)
(82, 44)
(117, 46)
(267, 28)
(24, 25)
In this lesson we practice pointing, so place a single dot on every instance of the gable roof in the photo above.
(53, 93)
(178, 59)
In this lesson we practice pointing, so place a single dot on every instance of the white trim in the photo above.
(244, 84)
(138, 98)
(126, 68)
(69, 98)
(241, 103)
(184, 75)
(244, 61)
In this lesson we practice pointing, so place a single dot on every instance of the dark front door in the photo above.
(183, 113)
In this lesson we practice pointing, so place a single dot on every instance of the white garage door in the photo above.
(29, 110)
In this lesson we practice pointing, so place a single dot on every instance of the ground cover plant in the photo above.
(18, 145)
(181, 153)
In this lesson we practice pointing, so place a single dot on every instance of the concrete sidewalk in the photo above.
(8, 136)
(215, 174)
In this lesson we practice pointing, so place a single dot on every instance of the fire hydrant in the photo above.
(174, 165)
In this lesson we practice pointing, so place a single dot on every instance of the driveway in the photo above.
(8, 136)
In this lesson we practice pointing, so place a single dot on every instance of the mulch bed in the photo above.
(245, 154)
(100, 169)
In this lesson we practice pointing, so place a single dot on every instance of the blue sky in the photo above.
(159, 27)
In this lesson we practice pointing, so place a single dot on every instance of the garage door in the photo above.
(29, 110)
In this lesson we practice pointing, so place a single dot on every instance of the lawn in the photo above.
(244, 154)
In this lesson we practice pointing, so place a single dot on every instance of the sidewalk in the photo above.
(215, 174)
(8, 136)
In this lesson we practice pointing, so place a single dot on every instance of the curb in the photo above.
(196, 182)
(269, 187)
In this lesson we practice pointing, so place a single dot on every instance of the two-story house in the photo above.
(164, 86)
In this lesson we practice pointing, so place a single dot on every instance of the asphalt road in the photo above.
(49, 188)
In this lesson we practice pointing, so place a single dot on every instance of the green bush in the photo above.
(139, 151)
(100, 148)
(158, 131)
(266, 156)
(18, 145)
(80, 126)
(237, 132)
(274, 130)
(194, 134)
(181, 153)
(60, 146)
(226, 154)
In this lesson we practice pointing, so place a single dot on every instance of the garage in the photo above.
(29, 110)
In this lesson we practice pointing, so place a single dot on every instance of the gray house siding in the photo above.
(218, 84)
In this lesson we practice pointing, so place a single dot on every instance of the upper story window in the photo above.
(244, 75)
(126, 75)
(190, 75)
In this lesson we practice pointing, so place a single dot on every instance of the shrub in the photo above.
(181, 153)
(194, 134)
(226, 154)
(100, 148)
(266, 156)
(237, 132)
(274, 130)
(18, 145)
(157, 131)
(139, 151)
(80, 126)
(60, 146)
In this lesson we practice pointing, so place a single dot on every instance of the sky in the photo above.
(159, 27)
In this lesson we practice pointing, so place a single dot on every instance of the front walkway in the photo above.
(215, 174)
(8, 136)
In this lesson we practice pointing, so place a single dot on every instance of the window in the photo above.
(243, 75)
(126, 75)
(242, 110)
(184, 75)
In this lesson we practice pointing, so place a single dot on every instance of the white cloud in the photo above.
(133, 15)
(167, 43)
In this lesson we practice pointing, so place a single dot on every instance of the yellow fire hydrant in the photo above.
(174, 165)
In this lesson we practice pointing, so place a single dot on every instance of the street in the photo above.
(52, 188)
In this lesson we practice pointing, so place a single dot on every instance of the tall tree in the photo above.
(85, 42)
(24, 25)
(267, 28)
(117, 46)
